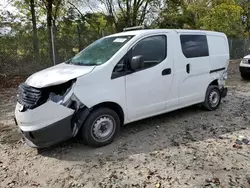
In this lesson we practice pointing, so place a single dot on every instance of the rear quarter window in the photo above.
(194, 46)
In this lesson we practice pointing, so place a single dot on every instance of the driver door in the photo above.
(148, 88)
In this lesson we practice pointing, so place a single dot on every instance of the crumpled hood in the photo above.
(58, 74)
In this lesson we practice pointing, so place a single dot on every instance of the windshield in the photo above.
(100, 51)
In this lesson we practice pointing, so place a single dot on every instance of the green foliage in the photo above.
(127, 13)
(75, 28)
(175, 15)
(225, 18)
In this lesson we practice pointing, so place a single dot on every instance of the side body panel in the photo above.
(219, 57)
(98, 87)
(218, 51)
(193, 74)
(147, 93)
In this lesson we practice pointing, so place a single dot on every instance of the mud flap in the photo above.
(224, 91)
(14, 118)
(78, 119)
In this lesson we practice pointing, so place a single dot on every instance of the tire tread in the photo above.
(86, 128)
(206, 103)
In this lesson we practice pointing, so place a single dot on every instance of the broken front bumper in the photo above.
(45, 125)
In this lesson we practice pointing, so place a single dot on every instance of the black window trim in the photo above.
(148, 36)
(128, 56)
(196, 34)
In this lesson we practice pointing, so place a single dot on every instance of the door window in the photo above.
(194, 46)
(153, 49)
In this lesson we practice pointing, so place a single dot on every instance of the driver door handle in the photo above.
(166, 72)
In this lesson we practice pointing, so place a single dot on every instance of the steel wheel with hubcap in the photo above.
(101, 127)
(213, 98)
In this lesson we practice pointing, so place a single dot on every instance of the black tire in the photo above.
(213, 98)
(90, 135)
(245, 76)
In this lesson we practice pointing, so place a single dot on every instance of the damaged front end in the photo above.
(49, 115)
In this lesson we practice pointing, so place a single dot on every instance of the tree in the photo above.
(48, 5)
(51, 19)
(91, 24)
(225, 18)
(198, 9)
(35, 37)
(25, 33)
(27, 12)
(175, 15)
(246, 13)
(126, 13)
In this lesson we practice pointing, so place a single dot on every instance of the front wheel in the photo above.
(101, 127)
(213, 98)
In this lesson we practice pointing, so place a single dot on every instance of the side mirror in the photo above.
(136, 62)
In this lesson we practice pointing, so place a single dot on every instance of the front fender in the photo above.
(102, 96)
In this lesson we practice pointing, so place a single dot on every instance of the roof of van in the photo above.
(152, 31)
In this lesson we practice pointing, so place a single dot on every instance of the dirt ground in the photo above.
(184, 148)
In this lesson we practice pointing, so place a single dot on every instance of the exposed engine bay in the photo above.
(31, 97)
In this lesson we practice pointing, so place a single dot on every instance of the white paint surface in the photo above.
(58, 74)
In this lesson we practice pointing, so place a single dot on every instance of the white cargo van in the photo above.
(119, 79)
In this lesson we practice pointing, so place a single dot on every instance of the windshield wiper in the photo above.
(68, 61)
(76, 63)
(79, 63)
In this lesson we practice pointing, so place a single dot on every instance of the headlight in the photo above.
(56, 98)
(245, 61)
(61, 93)
(61, 99)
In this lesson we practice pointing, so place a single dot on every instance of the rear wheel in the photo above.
(213, 98)
(101, 127)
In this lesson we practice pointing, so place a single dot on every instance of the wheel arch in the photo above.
(114, 106)
(215, 82)
(206, 104)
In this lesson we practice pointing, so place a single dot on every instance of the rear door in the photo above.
(194, 66)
